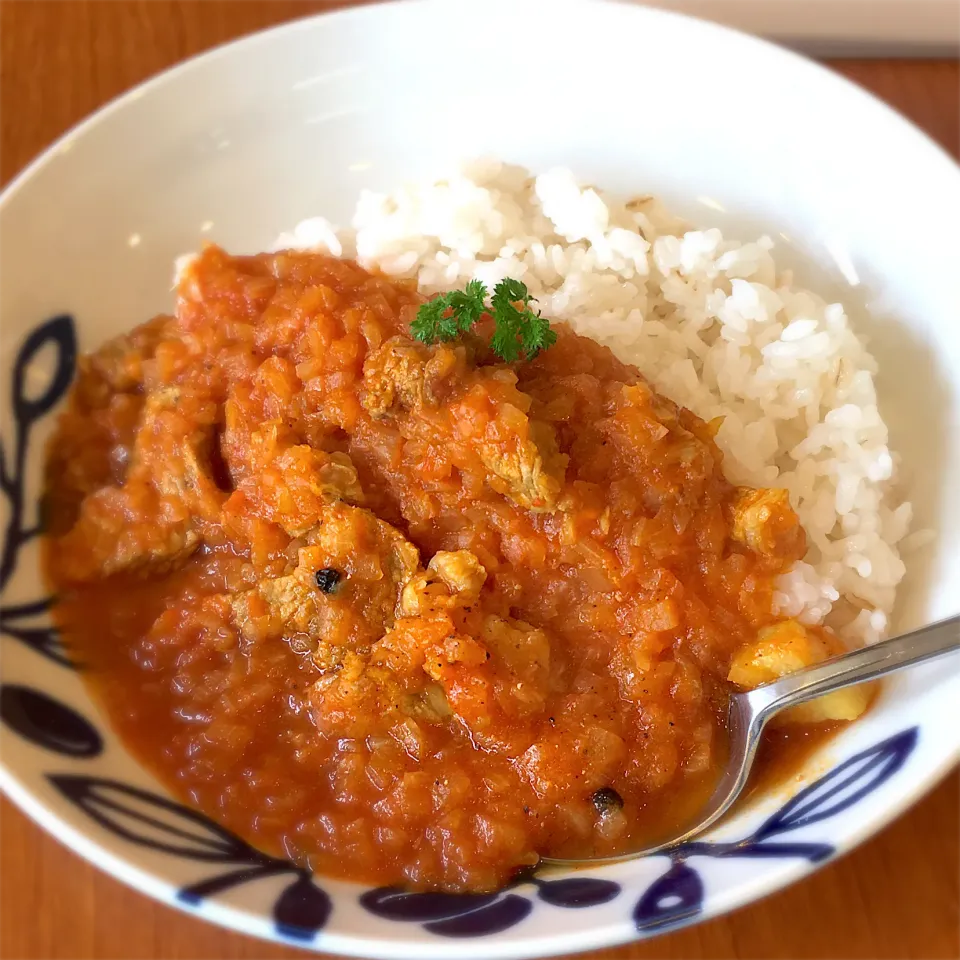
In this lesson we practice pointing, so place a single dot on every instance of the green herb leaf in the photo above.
(518, 329)
(536, 335)
(468, 304)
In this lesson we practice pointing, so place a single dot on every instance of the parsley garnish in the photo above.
(518, 328)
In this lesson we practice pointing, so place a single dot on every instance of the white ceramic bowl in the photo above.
(245, 141)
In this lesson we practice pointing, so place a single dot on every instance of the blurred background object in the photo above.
(840, 28)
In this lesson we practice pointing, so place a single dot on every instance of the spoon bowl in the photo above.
(749, 713)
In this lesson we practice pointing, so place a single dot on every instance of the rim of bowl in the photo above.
(244, 920)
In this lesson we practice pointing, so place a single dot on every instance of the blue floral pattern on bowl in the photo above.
(142, 818)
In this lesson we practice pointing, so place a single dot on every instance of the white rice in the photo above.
(710, 322)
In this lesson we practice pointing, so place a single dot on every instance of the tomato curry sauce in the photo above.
(403, 612)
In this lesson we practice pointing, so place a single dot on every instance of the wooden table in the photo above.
(897, 896)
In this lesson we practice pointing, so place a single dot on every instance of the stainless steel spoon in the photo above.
(750, 712)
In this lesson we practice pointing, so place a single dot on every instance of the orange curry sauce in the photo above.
(404, 613)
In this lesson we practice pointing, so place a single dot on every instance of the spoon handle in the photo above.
(857, 666)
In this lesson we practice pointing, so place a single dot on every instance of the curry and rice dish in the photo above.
(377, 598)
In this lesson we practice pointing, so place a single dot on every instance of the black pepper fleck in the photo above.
(327, 579)
(606, 800)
